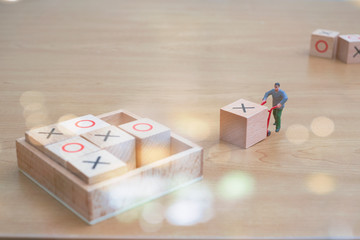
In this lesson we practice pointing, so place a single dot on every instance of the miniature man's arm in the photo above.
(284, 99)
(267, 95)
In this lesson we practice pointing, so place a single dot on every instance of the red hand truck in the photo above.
(268, 132)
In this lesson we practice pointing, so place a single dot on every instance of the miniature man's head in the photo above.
(277, 86)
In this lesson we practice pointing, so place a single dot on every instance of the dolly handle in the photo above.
(272, 108)
(268, 120)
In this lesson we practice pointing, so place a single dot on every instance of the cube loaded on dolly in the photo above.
(243, 123)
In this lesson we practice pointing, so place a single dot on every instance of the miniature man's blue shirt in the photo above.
(278, 97)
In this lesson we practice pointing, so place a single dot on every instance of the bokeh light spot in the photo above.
(66, 117)
(129, 216)
(195, 128)
(192, 205)
(35, 113)
(32, 97)
(37, 119)
(297, 134)
(153, 213)
(149, 227)
(152, 217)
(322, 126)
(236, 185)
(355, 3)
(33, 107)
(9, 1)
(185, 213)
(320, 183)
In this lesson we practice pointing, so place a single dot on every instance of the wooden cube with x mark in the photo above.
(43, 136)
(116, 141)
(97, 166)
(349, 48)
(243, 123)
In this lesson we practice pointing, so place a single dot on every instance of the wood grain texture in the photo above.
(349, 48)
(243, 123)
(179, 62)
(324, 43)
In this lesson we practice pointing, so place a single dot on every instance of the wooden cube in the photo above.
(349, 48)
(116, 141)
(40, 137)
(70, 149)
(98, 201)
(152, 140)
(323, 43)
(82, 124)
(243, 123)
(97, 166)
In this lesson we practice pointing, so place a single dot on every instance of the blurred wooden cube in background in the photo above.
(349, 48)
(323, 43)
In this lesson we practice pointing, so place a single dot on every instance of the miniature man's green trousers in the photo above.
(277, 115)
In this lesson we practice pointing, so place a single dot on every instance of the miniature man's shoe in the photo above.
(277, 130)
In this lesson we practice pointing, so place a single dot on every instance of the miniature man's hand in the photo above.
(263, 102)
(279, 105)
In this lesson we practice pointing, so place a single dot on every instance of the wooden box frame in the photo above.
(97, 202)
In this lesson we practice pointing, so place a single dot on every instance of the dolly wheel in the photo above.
(268, 133)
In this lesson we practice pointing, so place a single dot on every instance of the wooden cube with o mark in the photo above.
(116, 141)
(323, 43)
(152, 140)
(349, 48)
(70, 149)
(243, 123)
(97, 166)
(82, 124)
(40, 137)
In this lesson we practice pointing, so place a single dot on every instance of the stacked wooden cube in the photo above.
(329, 44)
(100, 166)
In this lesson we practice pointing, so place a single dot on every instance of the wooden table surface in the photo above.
(179, 62)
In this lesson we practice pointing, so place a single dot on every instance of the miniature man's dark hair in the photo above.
(277, 84)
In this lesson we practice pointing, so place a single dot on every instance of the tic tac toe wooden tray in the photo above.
(101, 200)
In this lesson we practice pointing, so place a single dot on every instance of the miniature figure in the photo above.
(279, 100)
